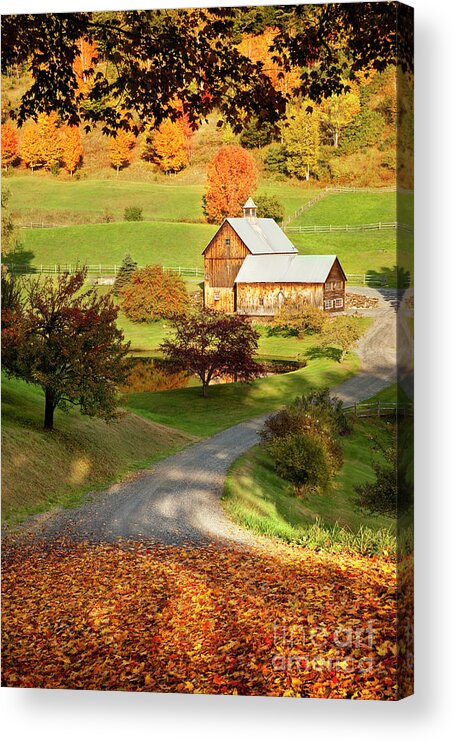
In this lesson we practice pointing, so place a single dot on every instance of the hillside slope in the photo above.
(41, 470)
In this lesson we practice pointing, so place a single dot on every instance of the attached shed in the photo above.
(251, 267)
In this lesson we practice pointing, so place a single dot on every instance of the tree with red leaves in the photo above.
(210, 344)
(66, 340)
(231, 179)
(10, 149)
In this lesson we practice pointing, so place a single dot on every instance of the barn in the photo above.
(252, 268)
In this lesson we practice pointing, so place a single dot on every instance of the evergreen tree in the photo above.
(126, 270)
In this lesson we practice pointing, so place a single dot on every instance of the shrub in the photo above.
(126, 270)
(316, 406)
(153, 293)
(341, 332)
(301, 459)
(133, 214)
(298, 318)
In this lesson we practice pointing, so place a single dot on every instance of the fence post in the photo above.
(41, 268)
(55, 269)
(379, 409)
(100, 268)
(115, 270)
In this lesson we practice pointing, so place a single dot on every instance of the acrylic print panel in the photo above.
(207, 350)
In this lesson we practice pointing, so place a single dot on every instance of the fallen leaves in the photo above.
(199, 620)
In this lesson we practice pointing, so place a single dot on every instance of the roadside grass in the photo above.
(258, 499)
(44, 470)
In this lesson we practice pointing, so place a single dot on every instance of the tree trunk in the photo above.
(49, 410)
(336, 138)
(205, 389)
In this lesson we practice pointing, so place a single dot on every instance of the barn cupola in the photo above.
(249, 210)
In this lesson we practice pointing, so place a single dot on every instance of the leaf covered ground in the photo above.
(289, 622)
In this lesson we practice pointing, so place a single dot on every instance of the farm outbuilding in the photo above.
(252, 268)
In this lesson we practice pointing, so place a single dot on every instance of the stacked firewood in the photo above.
(361, 301)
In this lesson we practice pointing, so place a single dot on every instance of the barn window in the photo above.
(328, 304)
(338, 285)
(227, 241)
(329, 286)
(280, 298)
(216, 296)
(338, 303)
(261, 302)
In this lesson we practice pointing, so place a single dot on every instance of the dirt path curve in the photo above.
(177, 500)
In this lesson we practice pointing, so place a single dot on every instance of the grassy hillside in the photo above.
(165, 243)
(41, 470)
(257, 498)
(350, 208)
(42, 197)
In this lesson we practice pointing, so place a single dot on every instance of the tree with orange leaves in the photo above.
(10, 146)
(231, 179)
(120, 149)
(169, 146)
(71, 147)
(83, 64)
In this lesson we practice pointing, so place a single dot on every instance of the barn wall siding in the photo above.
(333, 293)
(221, 262)
(221, 299)
(249, 296)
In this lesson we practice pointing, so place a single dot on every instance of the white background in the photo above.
(74, 715)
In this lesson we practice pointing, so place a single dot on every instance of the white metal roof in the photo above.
(281, 268)
(261, 236)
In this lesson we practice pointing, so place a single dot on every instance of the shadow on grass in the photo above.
(396, 277)
(316, 351)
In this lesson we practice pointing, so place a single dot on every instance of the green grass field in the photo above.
(350, 208)
(163, 243)
(43, 470)
(64, 201)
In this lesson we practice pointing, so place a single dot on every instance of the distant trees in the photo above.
(210, 344)
(301, 141)
(47, 145)
(66, 340)
(120, 149)
(269, 207)
(71, 148)
(337, 112)
(31, 151)
(151, 293)
(169, 146)
(231, 179)
(10, 147)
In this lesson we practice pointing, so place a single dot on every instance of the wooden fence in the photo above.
(381, 409)
(373, 226)
(99, 269)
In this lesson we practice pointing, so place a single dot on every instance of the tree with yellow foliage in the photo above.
(120, 149)
(170, 146)
(71, 147)
(338, 111)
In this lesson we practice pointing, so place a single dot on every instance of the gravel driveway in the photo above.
(177, 500)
